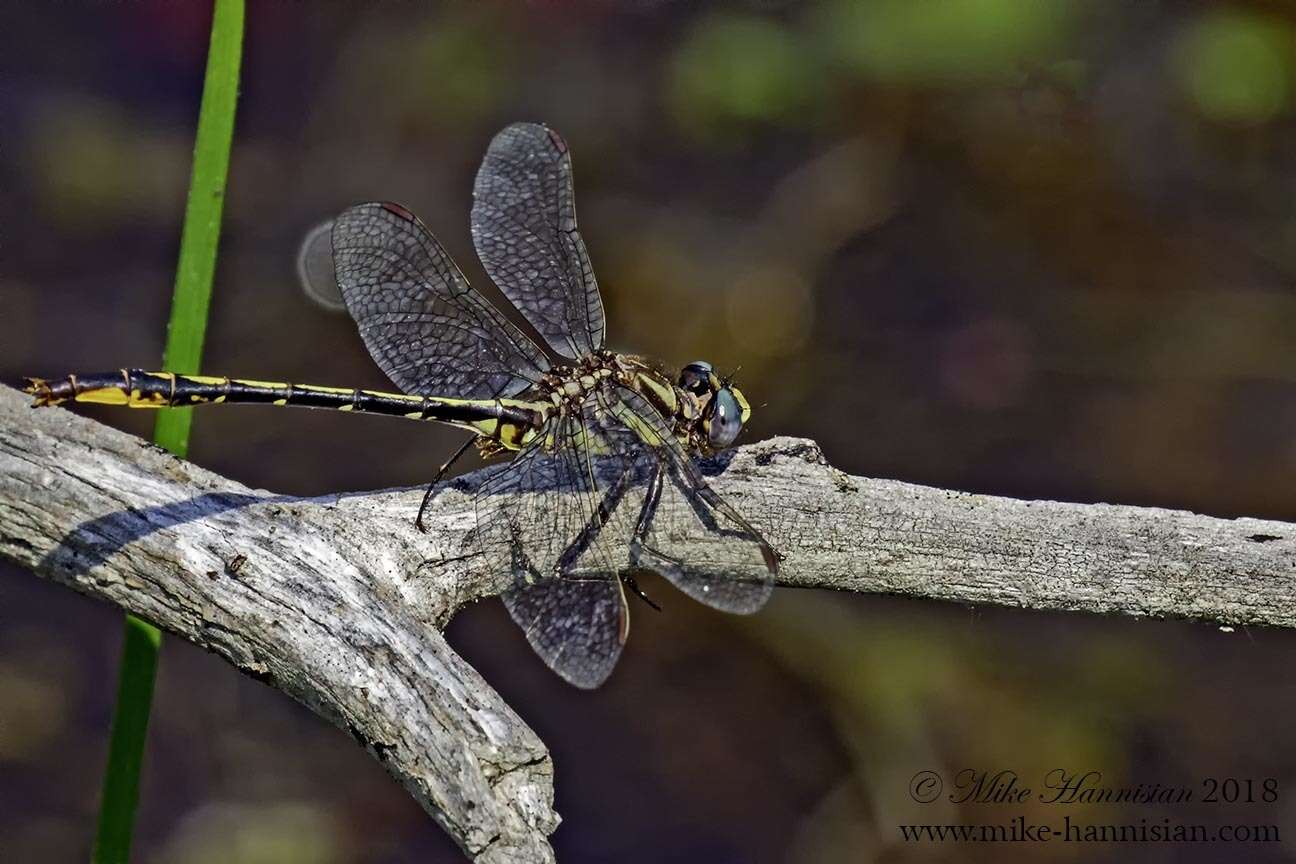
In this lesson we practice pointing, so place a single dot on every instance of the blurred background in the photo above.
(1044, 249)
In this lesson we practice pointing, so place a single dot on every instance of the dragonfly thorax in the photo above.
(703, 412)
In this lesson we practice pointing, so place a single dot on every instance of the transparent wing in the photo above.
(600, 492)
(315, 271)
(524, 226)
(554, 511)
(728, 564)
(427, 329)
(577, 626)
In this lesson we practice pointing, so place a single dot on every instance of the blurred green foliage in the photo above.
(455, 64)
(953, 43)
(98, 161)
(280, 832)
(738, 68)
(1236, 65)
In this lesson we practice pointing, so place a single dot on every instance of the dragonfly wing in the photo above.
(556, 512)
(577, 626)
(427, 329)
(729, 565)
(573, 511)
(524, 227)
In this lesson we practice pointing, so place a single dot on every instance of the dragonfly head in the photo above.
(724, 409)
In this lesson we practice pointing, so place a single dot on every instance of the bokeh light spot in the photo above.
(943, 41)
(1236, 67)
(735, 68)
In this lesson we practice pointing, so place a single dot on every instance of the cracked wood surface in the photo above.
(338, 600)
(310, 596)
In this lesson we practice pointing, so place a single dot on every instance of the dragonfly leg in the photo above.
(646, 512)
(641, 554)
(606, 507)
(629, 580)
(427, 496)
(637, 547)
(708, 496)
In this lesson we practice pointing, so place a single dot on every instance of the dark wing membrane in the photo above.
(577, 507)
(728, 564)
(577, 626)
(524, 226)
(554, 511)
(427, 329)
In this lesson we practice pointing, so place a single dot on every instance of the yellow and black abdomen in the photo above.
(504, 420)
(137, 388)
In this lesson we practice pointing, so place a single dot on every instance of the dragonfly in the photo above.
(605, 479)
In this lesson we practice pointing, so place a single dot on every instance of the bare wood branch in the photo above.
(314, 597)
(338, 600)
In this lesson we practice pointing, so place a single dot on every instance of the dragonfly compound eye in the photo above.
(696, 378)
(725, 419)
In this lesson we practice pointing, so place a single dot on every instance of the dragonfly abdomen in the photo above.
(137, 388)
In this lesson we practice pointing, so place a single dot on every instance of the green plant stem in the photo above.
(185, 333)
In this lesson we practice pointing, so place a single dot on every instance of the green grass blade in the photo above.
(185, 332)
(126, 749)
(201, 230)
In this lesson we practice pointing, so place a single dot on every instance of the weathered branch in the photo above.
(338, 600)
(325, 599)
